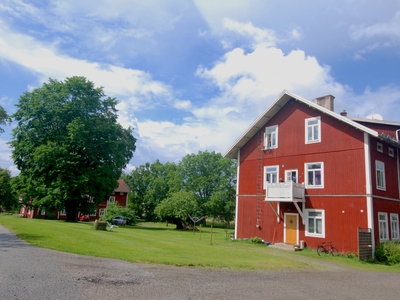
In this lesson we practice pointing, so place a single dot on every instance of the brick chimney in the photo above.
(326, 101)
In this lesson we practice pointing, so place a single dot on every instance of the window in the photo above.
(383, 227)
(291, 175)
(63, 213)
(394, 226)
(93, 212)
(379, 147)
(271, 137)
(315, 225)
(380, 175)
(313, 130)
(391, 152)
(270, 175)
(111, 199)
(101, 212)
(314, 175)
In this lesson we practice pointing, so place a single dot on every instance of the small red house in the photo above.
(306, 173)
(120, 196)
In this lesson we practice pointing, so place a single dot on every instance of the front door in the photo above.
(291, 229)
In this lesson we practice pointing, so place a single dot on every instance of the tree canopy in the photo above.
(207, 176)
(68, 145)
(8, 197)
(4, 118)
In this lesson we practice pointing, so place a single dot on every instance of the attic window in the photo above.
(391, 152)
(379, 147)
(271, 137)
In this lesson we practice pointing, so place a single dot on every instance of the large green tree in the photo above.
(8, 197)
(68, 144)
(207, 173)
(150, 184)
(4, 118)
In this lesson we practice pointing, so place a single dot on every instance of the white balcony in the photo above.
(285, 192)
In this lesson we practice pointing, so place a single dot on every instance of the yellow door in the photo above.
(291, 229)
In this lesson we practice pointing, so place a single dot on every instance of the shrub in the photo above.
(257, 240)
(388, 253)
(113, 210)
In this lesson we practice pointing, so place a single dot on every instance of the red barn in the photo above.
(306, 173)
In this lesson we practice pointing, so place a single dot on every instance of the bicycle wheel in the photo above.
(320, 250)
(334, 251)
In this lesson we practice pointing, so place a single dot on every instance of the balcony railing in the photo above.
(285, 192)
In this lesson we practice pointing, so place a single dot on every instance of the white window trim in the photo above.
(379, 147)
(291, 171)
(63, 212)
(383, 187)
(306, 175)
(318, 140)
(101, 211)
(322, 235)
(273, 130)
(265, 175)
(395, 229)
(387, 227)
(391, 152)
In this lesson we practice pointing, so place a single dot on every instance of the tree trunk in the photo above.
(71, 210)
(179, 225)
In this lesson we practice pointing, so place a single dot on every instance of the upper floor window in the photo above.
(271, 137)
(291, 175)
(380, 175)
(379, 147)
(391, 152)
(394, 226)
(314, 175)
(383, 227)
(315, 225)
(111, 199)
(313, 130)
(270, 175)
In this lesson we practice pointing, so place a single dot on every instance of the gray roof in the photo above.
(280, 101)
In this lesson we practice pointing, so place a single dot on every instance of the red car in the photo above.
(84, 218)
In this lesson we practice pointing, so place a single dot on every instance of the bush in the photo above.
(256, 240)
(113, 210)
(388, 253)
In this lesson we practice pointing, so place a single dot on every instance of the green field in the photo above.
(156, 243)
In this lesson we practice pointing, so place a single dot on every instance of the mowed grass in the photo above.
(156, 243)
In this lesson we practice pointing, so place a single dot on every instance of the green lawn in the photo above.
(156, 243)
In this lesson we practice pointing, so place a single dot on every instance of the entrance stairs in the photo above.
(282, 246)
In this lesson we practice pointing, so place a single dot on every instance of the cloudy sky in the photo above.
(192, 75)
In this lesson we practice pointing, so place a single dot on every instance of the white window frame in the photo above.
(391, 152)
(289, 175)
(383, 227)
(380, 175)
(315, 218)
(306, 174)
(111, 200)
(313, 139)
(271, 137)
(63, 212)
(92, 213)
(394, 227)
(379, 147)
(271, 170)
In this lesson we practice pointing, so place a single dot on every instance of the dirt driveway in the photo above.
(29, 272)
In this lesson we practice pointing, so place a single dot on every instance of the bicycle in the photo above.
(327, 248)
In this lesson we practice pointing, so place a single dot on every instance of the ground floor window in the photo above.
(383, 227)
(315, 225)
(101, 212)
(394, 226)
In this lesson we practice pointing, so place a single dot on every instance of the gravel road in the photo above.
(29, 272)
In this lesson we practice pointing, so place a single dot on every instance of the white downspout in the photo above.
(368, 188)
(237, 193)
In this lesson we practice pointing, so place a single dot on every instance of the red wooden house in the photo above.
(120, 196)
(306, 173)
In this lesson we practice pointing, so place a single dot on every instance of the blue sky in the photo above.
(193, 75)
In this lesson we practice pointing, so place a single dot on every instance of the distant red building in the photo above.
(120, 196)
(306, 173)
